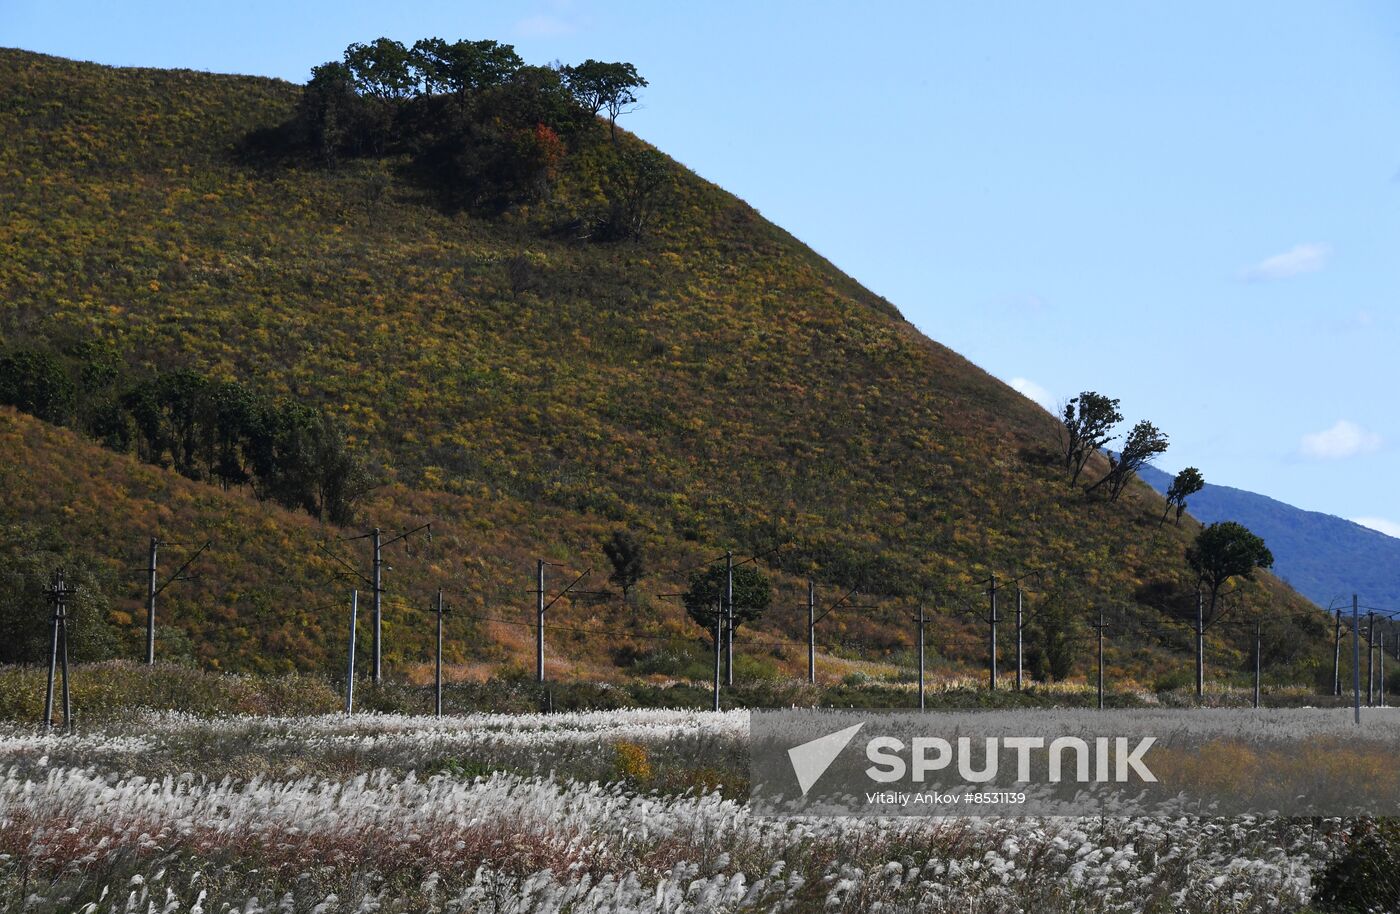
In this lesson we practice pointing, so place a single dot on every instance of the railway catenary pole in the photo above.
(1101, 627)
(151, 603)
(992, 638)
(58, 595)
(378, 616)
(811, 631)
(1020, 642)
(1382, 666)
(729, 618)
(1337, 655)
(539, 620)
(1258, 659)
(719, 637)
(1356, 657)
(1370, 659)
(437, 671)
(154, 589)
(1200, 646)
(350, 659)
(922, 692)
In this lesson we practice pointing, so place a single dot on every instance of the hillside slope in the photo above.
(1324, 557)
(718, 386)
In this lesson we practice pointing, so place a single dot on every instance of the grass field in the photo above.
(581, 812)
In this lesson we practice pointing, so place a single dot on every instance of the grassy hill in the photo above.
(717, 385)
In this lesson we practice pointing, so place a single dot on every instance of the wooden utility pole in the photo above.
(811, 631)
(1258, 659)
(1337, 655)
(437, 673)
(151, 603)
(350, 660)
(58, 595)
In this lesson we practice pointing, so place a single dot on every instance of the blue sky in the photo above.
(1192, 207)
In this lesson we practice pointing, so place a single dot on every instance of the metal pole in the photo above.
(1356, 656)
(1337, 656)
(1370, 659)
(718, 638)
(53, 660)
(1101, 628)
(1258, 659)
(378, 602)
(729, 617)
(1200, 646)
(63, 636)
(921, 657)
(1382, 666)
(350, 660)
(151, 603)
(539, 620)
(1019, 644)
(437, 678)
(811, 631)
(992, 644)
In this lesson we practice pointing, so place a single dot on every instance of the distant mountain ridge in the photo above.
(1323, 556)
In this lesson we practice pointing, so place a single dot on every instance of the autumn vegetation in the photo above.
(473, 297)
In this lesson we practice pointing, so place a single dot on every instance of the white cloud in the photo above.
(1299, 259)
(1034, 391)
(1344, 439)
(1388, 527)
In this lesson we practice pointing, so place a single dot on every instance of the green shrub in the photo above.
(1365, 877)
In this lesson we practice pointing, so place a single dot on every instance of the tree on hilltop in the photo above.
(1185, 484)
(601, 86)
(1086, 425)
(382, 69)
(463, 68)
(1144, 443)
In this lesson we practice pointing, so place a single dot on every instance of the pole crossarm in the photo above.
(407, 533)
(179, 571)
(351, 568)
(559, 596)
(850, 593)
